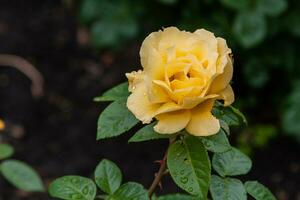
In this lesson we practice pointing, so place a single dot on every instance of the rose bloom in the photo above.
(183, 75)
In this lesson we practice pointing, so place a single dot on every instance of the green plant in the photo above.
(264, 33)
(18, 173)
(186, 159)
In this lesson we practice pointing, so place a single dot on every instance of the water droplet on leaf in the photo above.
(76, 196)
(74, 180)
(85, 190)
(184, 180)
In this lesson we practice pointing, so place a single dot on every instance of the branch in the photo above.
(26, 68)
(161, 172)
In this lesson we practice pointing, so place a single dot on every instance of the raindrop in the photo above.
(85, 190)
(182, 172)
(184, 180)
(74, 180)
(190, 189)
(76, 196)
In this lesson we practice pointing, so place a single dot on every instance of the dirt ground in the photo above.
(56, 133)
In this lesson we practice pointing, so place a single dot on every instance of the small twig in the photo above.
(26, 68)
(161, 172)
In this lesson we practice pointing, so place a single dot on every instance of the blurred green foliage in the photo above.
(263, 34)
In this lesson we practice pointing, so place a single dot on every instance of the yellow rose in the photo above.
(2, 125)
(183, 74)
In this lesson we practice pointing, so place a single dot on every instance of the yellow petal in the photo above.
(2, 125)
(139, 104)
(202, 122)
(221, 81)
(168, 107)
(191, 102)
(172, 122)
(156, 94)
(135, 78)
(227, 95)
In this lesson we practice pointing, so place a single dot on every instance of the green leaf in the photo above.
(291, 114)
(217, 143)
(6, 151)
(292, 22)
(147, 133)
(130, 191)
(250, 28)
(258, 191)
(177, 197)
(227, 189)
(89, 10)
(255, 74)
(21, 176)
(230, 115)
(236, 5)
(112, 33)
(117, 93)
(73, 187)
(231, 163)
(272, 8)
(168, 2)
(225, 127)
(108, 176)
(189, 166)
(115, 120)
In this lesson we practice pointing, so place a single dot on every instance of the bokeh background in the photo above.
(81, 48)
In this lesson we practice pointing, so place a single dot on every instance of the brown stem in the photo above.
(26, 68)
(160, 173)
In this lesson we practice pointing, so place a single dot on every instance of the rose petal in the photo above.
(202, 122)
(134, 78)
(172, 122)
(140, 106)
(221, 81)
(227, 95)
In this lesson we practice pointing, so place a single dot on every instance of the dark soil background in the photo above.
(56, 133)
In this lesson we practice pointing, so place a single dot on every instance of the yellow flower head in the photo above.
(2, 124)
(183, 74)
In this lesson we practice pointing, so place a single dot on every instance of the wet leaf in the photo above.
(231, 163)
(227, 189)
(73, 188)
(189, 166)
(115, 120)
(21, 176)
(108, 176)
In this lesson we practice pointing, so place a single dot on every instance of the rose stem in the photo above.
(161, 171)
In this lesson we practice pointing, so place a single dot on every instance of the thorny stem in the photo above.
(161, 172)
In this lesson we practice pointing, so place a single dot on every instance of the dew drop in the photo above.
(182, 172)
(85, 190)
(74, 180)
(133, 88)
(184, 180)
(76, 196)
(190, 189)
